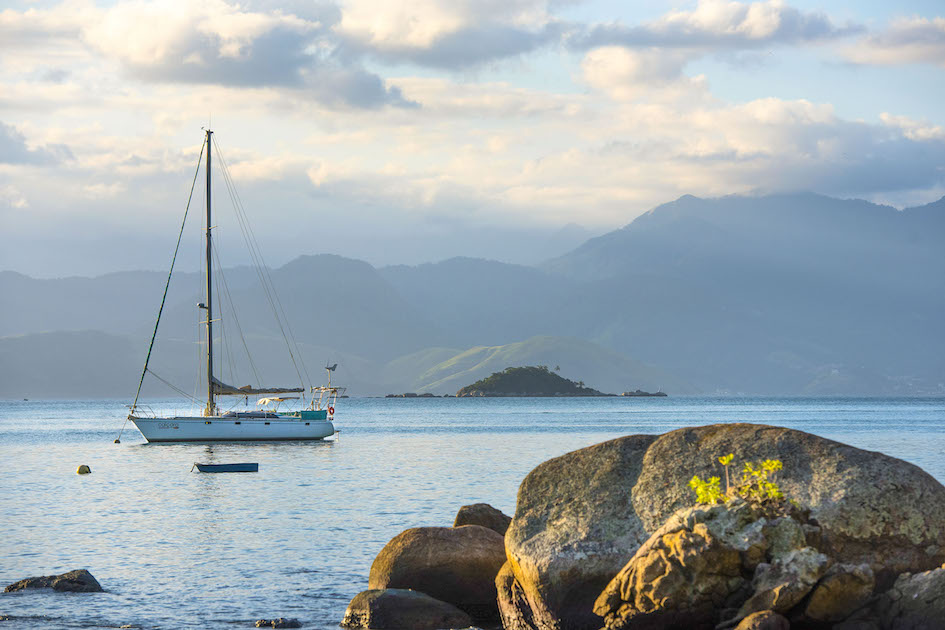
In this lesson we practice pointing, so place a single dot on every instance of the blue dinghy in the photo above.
(224, 468)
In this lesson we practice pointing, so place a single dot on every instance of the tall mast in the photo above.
(211, 406)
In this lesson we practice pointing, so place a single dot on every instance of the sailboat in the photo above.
(265, 423)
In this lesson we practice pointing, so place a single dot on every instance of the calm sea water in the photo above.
(176, 549)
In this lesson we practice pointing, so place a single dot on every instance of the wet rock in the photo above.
(77, 581)
(483, 514)
(398, 609)
(457, 565)
(764, 620)
(581, 516)
(281, 622)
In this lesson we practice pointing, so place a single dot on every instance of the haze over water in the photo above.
(176, 549)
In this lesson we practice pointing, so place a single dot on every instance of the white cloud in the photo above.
(447, 33)
(149, 34)
(648, 61)
(206, 43)
(914, 129)
(719, 25)
(11, 197)
(652, 74)
(102, 190)
(15, 150)
(905, 41)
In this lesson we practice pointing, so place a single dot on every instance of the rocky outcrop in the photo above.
(457, 565)
(281, 622)
(681, 576)
(582, 516)
(915, 602)
(77, 581)
(706, 562)
(484, 515)
(397, 609)
(783, 583)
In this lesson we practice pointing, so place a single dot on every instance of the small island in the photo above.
(532, 380)
(640, 393)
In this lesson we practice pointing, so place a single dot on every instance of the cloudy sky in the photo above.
(416, 130)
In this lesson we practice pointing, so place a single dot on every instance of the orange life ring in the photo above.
(331, 411)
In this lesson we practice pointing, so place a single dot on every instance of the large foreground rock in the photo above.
(399, 609)
(453, 564)
(77, 581)
(483, 514)
(582, 516)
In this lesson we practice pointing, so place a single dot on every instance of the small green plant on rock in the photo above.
(757, 484)
(708, 491)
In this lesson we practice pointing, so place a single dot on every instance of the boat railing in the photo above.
(324, 397)
(141, 411)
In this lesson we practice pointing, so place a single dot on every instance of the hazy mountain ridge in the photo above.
(788, 294)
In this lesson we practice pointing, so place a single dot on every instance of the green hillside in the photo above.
(527, 381)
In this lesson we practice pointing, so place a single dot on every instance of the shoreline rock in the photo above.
(75, 581)
(281, 622)
(456, 565)
(398, 609)
(485, 515)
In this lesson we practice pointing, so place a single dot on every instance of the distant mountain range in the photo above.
(789, 295)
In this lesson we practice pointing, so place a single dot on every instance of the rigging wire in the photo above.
(226, 355)
(167, 285)
(239, 329)
(175, 388)
(259, 263)
(262, 271)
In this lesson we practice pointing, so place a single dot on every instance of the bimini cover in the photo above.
(275, 399)
(222, 389)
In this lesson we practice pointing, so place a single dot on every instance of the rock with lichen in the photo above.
(581, 517)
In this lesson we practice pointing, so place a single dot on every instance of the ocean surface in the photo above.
(178, 549)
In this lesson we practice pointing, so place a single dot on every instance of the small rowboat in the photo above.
(226, 468)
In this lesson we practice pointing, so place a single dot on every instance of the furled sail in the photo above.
(222, 389)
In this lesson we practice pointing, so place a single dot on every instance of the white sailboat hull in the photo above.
(222, 429)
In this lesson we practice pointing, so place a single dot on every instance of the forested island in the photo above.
(532, 380)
